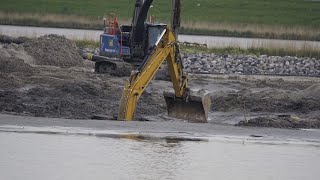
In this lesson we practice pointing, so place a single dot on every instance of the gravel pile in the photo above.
(251, 64)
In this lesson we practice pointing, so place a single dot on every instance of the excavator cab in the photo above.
(114, 40)
(154, 32)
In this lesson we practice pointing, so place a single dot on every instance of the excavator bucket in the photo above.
(195, 109)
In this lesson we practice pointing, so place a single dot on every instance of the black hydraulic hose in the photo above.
(176, 17)
(151, 51)
(146, 58)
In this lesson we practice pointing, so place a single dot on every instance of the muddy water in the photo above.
(211, 41)
(32, 156)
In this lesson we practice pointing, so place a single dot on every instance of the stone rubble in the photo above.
(250, 64)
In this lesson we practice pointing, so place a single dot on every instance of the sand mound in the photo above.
(53, 50)
(16, 51)
(14, 59)
(10, 65)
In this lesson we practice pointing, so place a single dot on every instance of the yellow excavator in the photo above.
(180, 104)
(147, 45)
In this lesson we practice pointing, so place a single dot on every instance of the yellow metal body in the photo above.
(165, 49)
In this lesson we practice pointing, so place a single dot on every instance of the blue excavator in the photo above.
(124, 47)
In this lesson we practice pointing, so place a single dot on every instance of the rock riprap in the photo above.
(251, 64)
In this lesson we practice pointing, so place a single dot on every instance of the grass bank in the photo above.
(306, 52)
(289, 19)
(289, 51)
(86, 43)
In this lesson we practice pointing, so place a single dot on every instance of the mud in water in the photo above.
(46, 77)
(281, 122)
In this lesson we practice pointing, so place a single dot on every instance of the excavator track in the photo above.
(112, 66)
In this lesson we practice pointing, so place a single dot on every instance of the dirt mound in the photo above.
(281, 122)
(51, 91)
(76, 95)
(13, 58)
(9, 39)
(78, 100)
(53, 50)
(266, 101)
(9, 81)
(312, 91)
(10, 65)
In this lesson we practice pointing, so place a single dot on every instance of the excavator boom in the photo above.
(179, 103)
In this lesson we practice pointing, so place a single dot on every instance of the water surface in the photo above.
(211, 41)
(30, 156)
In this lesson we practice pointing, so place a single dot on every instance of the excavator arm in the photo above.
(165, 49)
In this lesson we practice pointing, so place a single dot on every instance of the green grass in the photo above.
(288, 51)
(286, 19)
(283, 12)
(86, 43)
(311, 53)
(272, 34)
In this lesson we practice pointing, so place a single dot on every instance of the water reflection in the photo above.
(160, 159)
